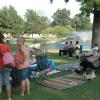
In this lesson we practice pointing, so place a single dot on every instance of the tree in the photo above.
(61, 17)
(81, 22)
(59, 31)
(92, 6)
(30, 21)
(62, 31)
(47, 31)
(15, 20)
(34, 23)
(10, 21)
(41, 24)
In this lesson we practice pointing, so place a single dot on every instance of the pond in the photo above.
(83, 36)
(57, 45)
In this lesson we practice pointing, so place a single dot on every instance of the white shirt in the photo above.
(92, 50)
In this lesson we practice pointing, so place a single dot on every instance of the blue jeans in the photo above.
(4, 77)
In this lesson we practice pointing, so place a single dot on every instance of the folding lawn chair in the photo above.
(40, 68)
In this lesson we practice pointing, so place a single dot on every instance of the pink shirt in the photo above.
(3, 48)
(22, 58)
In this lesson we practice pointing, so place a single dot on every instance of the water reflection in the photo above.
(83, 37)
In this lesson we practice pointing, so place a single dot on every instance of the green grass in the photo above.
(60, 59)
(87, 91)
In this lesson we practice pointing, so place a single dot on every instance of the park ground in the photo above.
(87, 91)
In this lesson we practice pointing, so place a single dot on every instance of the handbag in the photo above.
(8, 59)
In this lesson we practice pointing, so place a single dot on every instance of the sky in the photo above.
(43, 7)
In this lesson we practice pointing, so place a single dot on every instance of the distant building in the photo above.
(34, 35)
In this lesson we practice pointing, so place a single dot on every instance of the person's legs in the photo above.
(8, 89)
(27, 81)
(28, 86)
(22, 88)
(64, 52)
(60, 52)
(24, 81)
(70, 54)
(0, 81)
(6, 75)
(14, 81)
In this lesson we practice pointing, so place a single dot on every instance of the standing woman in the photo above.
(22, 63)
(4, 72)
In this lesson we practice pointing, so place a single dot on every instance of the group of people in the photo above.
(21, 61)
(88, 62)
(70, 49)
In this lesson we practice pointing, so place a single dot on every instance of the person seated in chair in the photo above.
(64, 50)
(90, 62)
(93, 56)
(87, 67)
(71, 49)
(93, 50)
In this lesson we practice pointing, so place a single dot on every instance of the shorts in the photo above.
(5, 77)
(23, 74)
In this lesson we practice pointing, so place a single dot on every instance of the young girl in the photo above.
(22, 63)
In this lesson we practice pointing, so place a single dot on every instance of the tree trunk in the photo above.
(96, 29)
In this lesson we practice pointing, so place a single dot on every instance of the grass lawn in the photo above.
(87, 91)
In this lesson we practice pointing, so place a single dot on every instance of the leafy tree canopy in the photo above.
(58, 30)
(10, 21)
(61, 17)
(87, 6)
(81, 22)
(33, 22)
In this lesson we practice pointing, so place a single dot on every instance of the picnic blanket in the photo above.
(68, 67)
(64, 82)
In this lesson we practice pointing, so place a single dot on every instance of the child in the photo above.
(22, 63)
